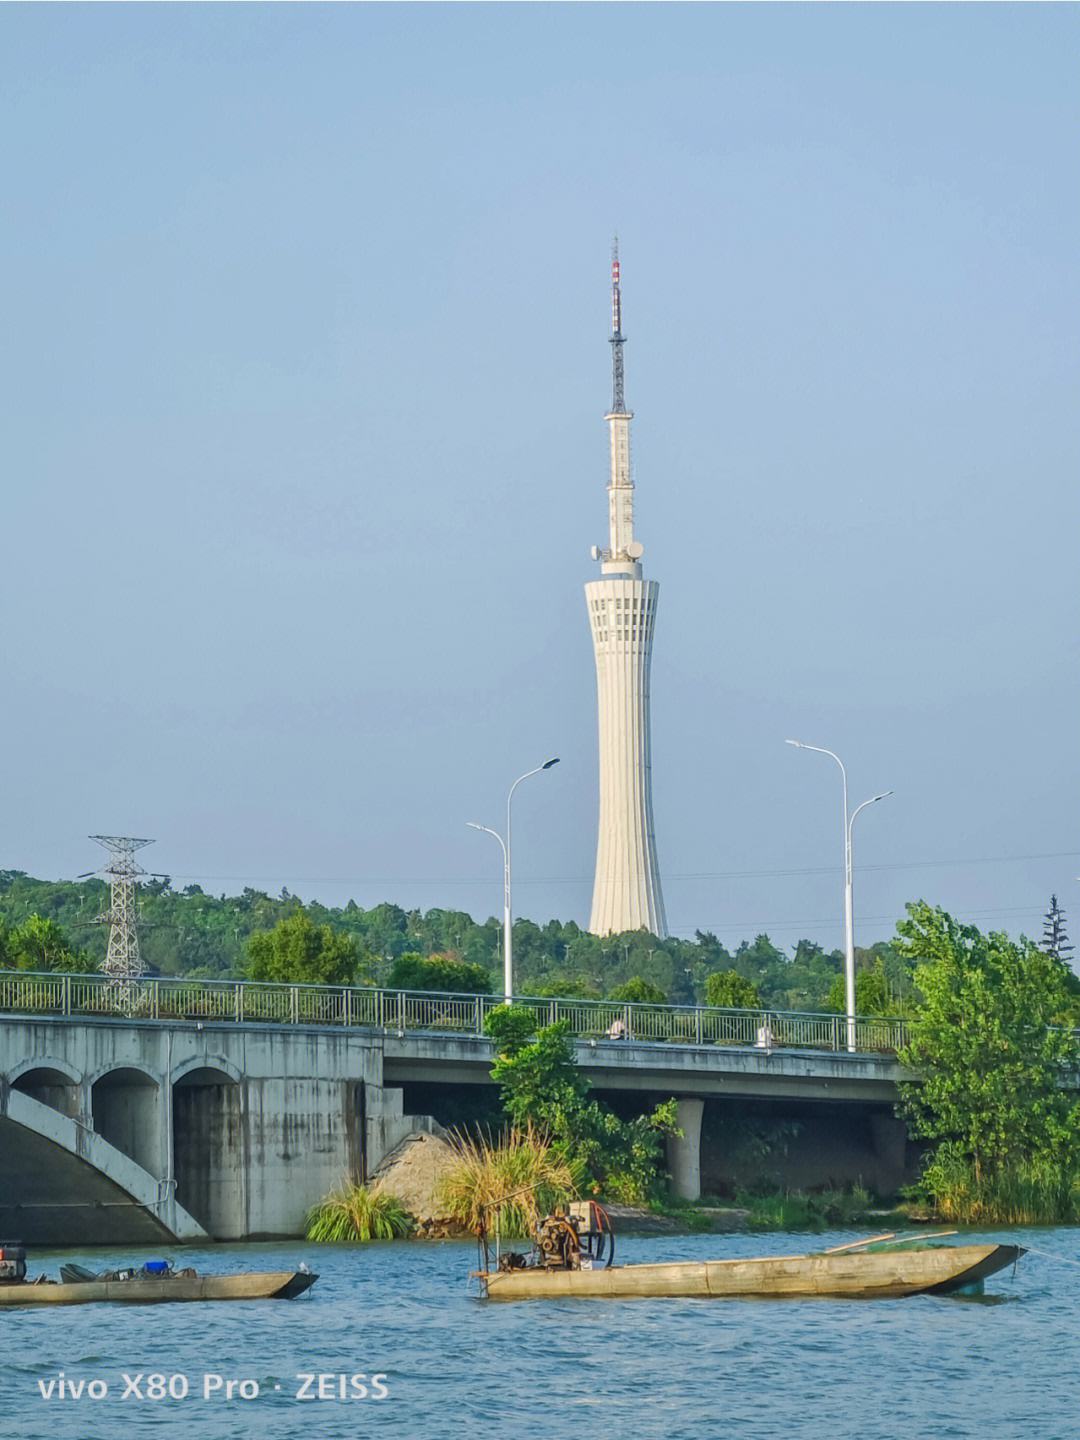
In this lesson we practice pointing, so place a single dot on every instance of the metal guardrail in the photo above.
(173, 998)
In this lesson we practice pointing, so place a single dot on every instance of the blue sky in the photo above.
(304, 372)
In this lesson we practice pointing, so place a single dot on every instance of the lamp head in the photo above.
(549, 763)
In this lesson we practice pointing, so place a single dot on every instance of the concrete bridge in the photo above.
(165, 1125)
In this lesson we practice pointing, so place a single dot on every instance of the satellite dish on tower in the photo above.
(635, 549)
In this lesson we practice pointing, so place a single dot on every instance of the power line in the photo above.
(774, 874)
(833, 921)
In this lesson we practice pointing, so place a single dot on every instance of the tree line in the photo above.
(193, 933)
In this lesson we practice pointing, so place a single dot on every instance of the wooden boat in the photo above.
(140, 1290)
(915, 1270)
(574, 1253)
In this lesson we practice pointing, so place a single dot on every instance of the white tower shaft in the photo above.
(622, 613)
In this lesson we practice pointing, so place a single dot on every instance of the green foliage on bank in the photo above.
(992, 1044)
(814, 1210)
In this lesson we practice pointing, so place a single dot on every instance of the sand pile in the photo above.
(412, 1171)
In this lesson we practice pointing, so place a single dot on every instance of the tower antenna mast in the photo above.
(122, 965)
(618, 339)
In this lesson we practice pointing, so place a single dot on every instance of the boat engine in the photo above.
(12, 1262)
(579, 1238)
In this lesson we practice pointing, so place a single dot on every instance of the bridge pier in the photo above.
(684, 1151)
(208, 1151)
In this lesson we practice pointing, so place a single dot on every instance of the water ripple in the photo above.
(648, 1369)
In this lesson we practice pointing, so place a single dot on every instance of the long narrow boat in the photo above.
(275, 1285)
(933, 1270)
(573, 1254)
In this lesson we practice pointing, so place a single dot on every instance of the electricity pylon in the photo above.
(122, 964)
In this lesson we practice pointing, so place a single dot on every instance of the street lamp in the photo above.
(849, 905)
(508, 915)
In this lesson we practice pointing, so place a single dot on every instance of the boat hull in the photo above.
(879, 1274)
(276, 1285)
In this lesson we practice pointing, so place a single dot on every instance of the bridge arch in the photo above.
(208, 1145)
(125, 1105)
(93, 1076)
(50, 1082)
(206, 1062)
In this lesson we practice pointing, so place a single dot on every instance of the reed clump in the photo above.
(1038, 1192)
(355, 1213)
(507, 1182)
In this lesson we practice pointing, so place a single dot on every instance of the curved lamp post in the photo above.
(849, 886)
(508, 915)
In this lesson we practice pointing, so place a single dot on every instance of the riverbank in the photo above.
(814, 1212)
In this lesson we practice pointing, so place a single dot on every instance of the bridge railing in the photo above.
(175, 998)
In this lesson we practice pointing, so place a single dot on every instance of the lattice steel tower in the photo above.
(622, 613)
(123, 963)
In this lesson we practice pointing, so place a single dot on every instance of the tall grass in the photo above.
(1029, 1193)
(507, 1183)
(353, 1212)
(802, 1210)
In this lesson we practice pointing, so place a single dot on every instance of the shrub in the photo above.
(354, 1212)
(509, 1183)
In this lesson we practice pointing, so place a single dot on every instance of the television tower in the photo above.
(123, 963)
(622, 614)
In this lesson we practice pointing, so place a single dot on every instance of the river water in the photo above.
(1007, 1366)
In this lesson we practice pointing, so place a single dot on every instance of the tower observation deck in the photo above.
(622, 613)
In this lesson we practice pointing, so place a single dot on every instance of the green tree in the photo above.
(729, 990)
(439, 972)
(989, 1057)
(297, 951)
(565, 987)
(40, 944)
(540, 1083)
(872, 993)
(639, 991)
